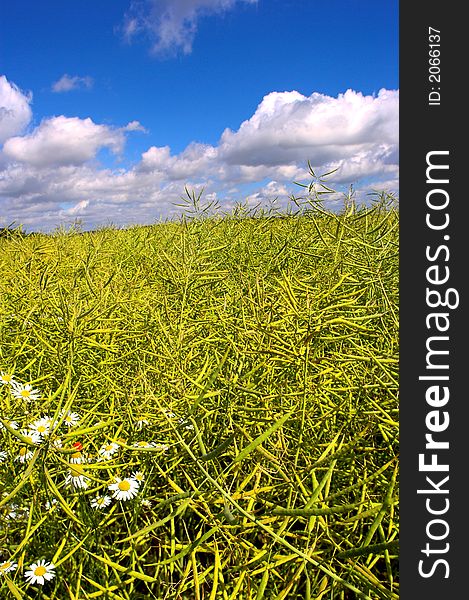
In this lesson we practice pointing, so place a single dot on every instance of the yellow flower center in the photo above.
(7, 379)
(76, 455)
(6, 566)
(39, 571)
(76, 471)
(124, 486)
(41, 428)
(143, 444)
(109, 448)
(23, 451)
(25, 393)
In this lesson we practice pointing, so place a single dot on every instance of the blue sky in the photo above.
(112, 107)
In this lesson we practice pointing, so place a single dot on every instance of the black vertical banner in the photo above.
(433, 328)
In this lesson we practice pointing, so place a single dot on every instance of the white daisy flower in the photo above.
(77, 458)
(3, 456)
(143, 444)
(41, 426)
(40, 572)
(49, 504)
(76, 478)
(49, 421)
(146, 503)
(169, 413)
(140, 423)
(100, 502)
(32, 437)
(107, 450)
(57, 443)
(124, 489)
(70, 418)
(7, 378)
(162, 447)
(7, 566)
(24, 455)
(25, 391)
(12, 424)
(138, 476)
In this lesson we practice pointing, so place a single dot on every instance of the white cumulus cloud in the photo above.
(67, 83)
(172, 24)
(62, 141)
(197, 160)
(15, 109)
(288, 127)
(48, 175)
(354, 134)
(134, 126)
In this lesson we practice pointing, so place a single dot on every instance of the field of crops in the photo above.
(202, 410)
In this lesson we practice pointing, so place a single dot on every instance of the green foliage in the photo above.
(259, 355)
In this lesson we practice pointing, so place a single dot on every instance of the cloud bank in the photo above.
(51, 174)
